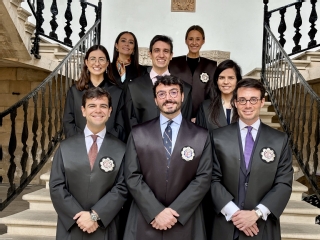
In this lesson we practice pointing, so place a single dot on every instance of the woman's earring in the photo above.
(117, 50)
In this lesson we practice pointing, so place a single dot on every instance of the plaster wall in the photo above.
(230, 25)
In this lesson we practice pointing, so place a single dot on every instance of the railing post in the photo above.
(264, 40)
(99, 17)
(39, 29)
(313, 18)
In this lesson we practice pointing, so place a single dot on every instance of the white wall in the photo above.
(230, 25)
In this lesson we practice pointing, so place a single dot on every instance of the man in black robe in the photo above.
(87, 185)
(252, 171)
(168, 169)
(139, 102)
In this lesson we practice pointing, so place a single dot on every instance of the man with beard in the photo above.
(168, 166)
(139, 103)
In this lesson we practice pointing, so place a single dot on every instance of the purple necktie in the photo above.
(248, 147)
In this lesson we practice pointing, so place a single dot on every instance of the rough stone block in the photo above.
(33, 75)
(22, 87)
(8, 74)
(4, 87)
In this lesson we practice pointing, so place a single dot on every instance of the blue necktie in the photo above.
(248, 147)
(167, 141)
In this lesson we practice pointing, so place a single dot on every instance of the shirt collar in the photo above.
(88, 133)
(255, 125)
(153, 74)
(177, 119)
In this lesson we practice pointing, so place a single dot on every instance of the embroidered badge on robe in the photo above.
(204, 77)
(268, 154)
(187, 153)
(107, 164)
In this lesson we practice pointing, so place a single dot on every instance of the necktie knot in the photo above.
(249, 128)
(94, 137)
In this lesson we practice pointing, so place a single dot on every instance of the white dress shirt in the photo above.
(230, 208)
(175, 126)
(153, 75)
(89, 140)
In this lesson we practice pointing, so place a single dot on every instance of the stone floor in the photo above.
(17, 205)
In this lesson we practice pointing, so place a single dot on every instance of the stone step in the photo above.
(39, 200)
(301, 64)
(309, 55)
(290, 231)
(23, 237)
(299, 212)
(31, 223)
(297, 190)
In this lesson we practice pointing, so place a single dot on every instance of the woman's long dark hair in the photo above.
(84, 79)
(215, 93)
(134, 57)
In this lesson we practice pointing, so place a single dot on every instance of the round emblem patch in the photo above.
(268, 154)
(107, 164)
(187, 153)
(204, 77)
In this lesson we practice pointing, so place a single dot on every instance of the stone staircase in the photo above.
(36, 223)
(39, 221)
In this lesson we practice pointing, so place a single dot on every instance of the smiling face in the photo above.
(97, 63)
(125, 45)
(249, 113)
(227, 81)
(97, 113)
(169, 106)
(194, 41)
(161, 56)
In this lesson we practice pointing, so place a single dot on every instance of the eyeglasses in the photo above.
(93, 60)
(173, 93)
(243, 101)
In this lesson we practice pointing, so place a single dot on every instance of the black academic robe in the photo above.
(178, 66)
(74, 187)
(73, 120)
(131, 73)
(140, 105)
(187, 181)
(268, 183)
(203, 117)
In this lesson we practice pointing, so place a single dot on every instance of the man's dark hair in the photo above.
(162, 38)
(96, 92)
(248, 83)
(167, 80)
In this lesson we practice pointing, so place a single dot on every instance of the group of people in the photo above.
(172, 151)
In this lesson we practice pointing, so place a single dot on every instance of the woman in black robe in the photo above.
(217, 111)
(96, 72)
(125, 62)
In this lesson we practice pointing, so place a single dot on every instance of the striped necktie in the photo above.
(167, 141)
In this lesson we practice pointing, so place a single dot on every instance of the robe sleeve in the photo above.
(186, 108)
(219, 194)
(201, 117)
(130, 117)
(147, 203)
(119, 125)
(188, 200)
(282, 185)
(69, 124)
(111, 203)
(64, 203)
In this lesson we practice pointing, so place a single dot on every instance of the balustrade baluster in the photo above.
(56, 100)
(50, 116)
(68, 30)
(35, 125)
(282, 27)
(83, 19)
(43, 121)
(40, 7)
(24, 138)
(53, 22)
(297, 24)
(313, 18)
(11, 149)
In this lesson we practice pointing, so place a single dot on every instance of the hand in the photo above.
(244, 219)
(193, 120)
(251, 231)
(165, 219)
(85, 223)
